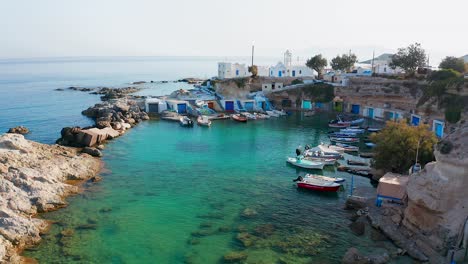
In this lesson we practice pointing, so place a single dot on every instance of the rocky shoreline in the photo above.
(36, 178)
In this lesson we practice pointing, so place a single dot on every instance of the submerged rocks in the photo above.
(19, 130)
(92, 151)
(34, 182)
(235, 257)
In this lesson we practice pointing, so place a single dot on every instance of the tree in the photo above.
(317, 63)
(453, 63)
(253, 70)
(397, 143)
(410, 58)
(344, 62)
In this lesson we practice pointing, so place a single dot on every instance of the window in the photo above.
(385, 69)
(300, 71)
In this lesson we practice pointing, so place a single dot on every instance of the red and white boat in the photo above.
(317, 184)
(325, 178)
(239, 118)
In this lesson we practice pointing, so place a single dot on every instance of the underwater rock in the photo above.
(358, 228)
(246, 239)
(353, 256)
(235, 257)
(211, 216)
(67, 232)
(224, 229)
(105, 210)
(265, 230)
(249, 213)
(206, 225)
(86, 227)
(202, 233)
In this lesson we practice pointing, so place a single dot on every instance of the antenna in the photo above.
(373, 57)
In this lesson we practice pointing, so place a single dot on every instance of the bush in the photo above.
(445, 147)
(297, 81)
(240, 82)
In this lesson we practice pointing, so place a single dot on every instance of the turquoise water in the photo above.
(181, 195)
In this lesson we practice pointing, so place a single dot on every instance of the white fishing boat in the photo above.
(352, 130)
(249, 115)
(280, 112)
(345, 140)
(185, 121)
(272, 114)
(306, 164)
(261, 116)
(347, 147)
(203, 121)
(325, 178)
(326, 161)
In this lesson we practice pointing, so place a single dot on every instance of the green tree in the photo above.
(253, 70)
(344, 62)
(317, 63)
(397, 143)
(453, 63)
(410, 58)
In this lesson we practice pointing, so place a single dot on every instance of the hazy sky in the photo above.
(44, 28)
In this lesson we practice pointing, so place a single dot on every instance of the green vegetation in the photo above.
(344, 62)
(317, 63)
(297, 81)
(253, 70)
(397, 143)
(453, 63)
(320, 92)
(240, 82)
(445, 147)
(409, 59)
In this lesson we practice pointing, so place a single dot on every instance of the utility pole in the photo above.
(373, 57)
(253, 50)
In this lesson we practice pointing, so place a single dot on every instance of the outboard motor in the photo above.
(298, 152)
(307, 147)
(298, 179)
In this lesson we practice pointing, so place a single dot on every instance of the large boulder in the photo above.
(92, 151)
(18, 130)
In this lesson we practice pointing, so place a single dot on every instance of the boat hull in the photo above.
(313, 165)
(313, 187)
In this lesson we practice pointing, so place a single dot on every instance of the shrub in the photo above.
(297, 81)
(445, 147)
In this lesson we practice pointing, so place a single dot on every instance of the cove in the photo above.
(191, 195)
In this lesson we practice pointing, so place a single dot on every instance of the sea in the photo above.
(171, 194)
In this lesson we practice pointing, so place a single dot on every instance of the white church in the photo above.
(286, 68)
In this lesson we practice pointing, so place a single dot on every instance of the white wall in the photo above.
(228, 70)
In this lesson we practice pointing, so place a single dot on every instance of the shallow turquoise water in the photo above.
(181, 195)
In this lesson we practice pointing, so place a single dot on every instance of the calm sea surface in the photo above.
(178, 195)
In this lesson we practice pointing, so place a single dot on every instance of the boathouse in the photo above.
(155, 105)
(181, 107)
(392, 187)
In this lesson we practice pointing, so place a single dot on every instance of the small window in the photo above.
(300, 71)
(266, 86)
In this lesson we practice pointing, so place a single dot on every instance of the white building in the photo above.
(228, 70)
(383, 67)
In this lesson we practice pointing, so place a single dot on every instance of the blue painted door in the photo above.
(415, 120)
(249, 106)
(181, 108)
(306, 104)
(439, 129)
(229, 106)
(355, 109)
(293, 73)
(237, 72)
(280, 73)
(318, 105)
(390, 115)
(397, 116)
(370, 113)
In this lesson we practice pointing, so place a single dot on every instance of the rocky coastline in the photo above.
(36, 178)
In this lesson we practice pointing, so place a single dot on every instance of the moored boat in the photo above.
(306, 164)
(185, 121)
(272, 114)
(239, 118)
(261, 116)
(345, 140)
(357, 163)
(342, 135)
(248, 115)
(352, 130)
(339, 125)
(203, 121)
(318, 185)
(326, 161)
(373, 129)
(325, 178)
(347, 148)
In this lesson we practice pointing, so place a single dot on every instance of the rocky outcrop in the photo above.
(33, 179)
(112, 119)
(353, 256)
(437, 202)
(19, 130)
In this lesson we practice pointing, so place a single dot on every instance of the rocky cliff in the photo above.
(437, 201)
(34, 178)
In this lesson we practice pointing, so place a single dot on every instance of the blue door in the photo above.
(397, 116)
(371, 113)
(415, 120)
(355, 109)
(390, 115)
(181, 108)
(293, 73)
(306, 104)
(229, 106)
(318, 105)
(439, 129)
(280, 74)
(249, 106)
(237, 72)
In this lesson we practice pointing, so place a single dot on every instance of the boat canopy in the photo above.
(392, 186)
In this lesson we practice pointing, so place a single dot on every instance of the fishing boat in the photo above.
(325, 178)
(373, 129)
(326, 161)
(280, 112)
(352, 130)
(318, 185)
(306, 164)
(345, 140)
(239, 118)
(370, 144)
(338, 125)
(357, 163)
(322, 152)
(203, 121)
(348, 148)
(248, 115)
(272, 113)
(309, 113)
(342, 135)
(261, 116)
(185, 121)
(357, 121)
